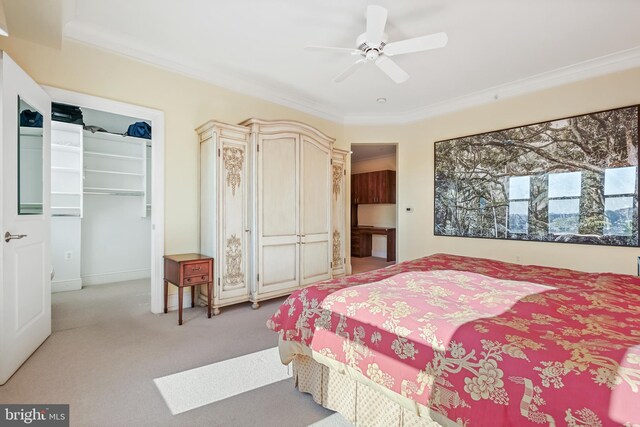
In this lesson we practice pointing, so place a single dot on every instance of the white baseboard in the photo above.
(116, 276)
(172, 301)
(66, 285)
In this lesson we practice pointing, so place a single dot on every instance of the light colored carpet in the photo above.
(107, 349)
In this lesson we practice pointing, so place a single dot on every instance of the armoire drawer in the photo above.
(195, 269)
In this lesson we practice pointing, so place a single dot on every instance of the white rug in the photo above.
(197, 387)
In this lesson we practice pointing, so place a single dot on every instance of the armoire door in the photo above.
(278, 213)
(233, 220)
(315, 211)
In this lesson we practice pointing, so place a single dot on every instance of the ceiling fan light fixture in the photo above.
(372, 54)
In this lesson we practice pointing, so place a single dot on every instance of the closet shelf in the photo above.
(115, 156)
(25, 130)
(115, 137)
(113, 172)
(113, 191)
(67, 170)
(61, 147)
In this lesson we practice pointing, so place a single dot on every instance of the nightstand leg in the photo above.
(180, 292)
(193, 296)
(166, 294)
(209, 292)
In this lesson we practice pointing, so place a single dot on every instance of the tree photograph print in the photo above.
(572, 180)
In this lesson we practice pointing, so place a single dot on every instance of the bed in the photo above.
(450, 340)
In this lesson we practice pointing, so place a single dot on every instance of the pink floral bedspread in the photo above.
(482, 342)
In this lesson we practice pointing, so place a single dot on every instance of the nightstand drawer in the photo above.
(195, 269)
(195, 280)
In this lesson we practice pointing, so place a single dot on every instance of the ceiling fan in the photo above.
(372, 46)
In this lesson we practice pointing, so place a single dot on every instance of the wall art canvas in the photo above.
(572, 180)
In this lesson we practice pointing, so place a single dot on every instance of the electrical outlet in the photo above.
(409, 210)
(517, 258)
(68, 255)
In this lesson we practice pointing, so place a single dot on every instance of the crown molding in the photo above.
(230, 80)
(246, 85)
(612, 63)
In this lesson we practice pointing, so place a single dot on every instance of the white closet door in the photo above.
(315, 207)
(338, 211)
(278, 248)
(233, 223)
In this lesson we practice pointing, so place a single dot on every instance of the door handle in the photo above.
(8, 236)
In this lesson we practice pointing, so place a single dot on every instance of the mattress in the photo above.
(478, 341)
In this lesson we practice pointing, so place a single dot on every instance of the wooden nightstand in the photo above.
(188, 270)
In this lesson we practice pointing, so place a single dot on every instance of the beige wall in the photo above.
(415, 172)
(188, 102)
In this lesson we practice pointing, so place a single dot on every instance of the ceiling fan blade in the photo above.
(376, 21)
(352, 69)
(417, 44)
(392, 69)
(334, 49)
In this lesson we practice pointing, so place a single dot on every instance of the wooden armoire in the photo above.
(273, 206)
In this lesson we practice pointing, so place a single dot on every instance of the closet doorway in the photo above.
(373, 206)
(107, 195)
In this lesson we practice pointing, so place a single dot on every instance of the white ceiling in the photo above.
(496, 48)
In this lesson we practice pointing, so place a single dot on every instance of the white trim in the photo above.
(233, 80)
(156, 117)
(398, 199)
(229, 79)
(611, 63)
(66, 285)
(115, 276)
(172, 300)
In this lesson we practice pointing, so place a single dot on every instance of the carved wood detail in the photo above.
(233, 162)
(233, 276)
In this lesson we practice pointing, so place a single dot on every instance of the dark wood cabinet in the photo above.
(361, 241)
(373, 187)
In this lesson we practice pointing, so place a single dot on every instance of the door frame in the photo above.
(398, 198)
(156, 117)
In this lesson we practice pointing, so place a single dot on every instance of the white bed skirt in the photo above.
(357, 402)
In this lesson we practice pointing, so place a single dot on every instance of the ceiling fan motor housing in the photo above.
(371, 52)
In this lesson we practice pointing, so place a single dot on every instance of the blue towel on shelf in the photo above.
(30, 119)
(140, 130)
